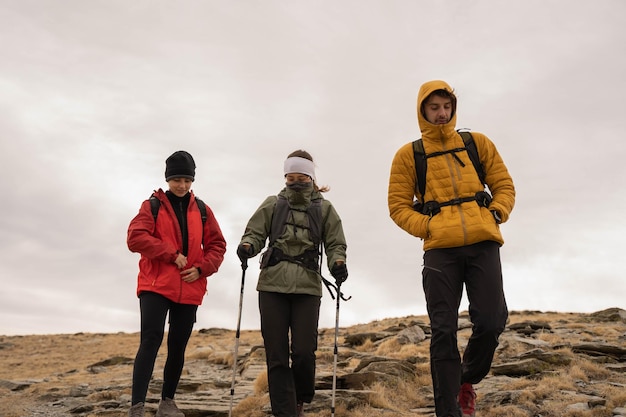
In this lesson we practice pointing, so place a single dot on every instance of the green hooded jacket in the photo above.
(289, 277)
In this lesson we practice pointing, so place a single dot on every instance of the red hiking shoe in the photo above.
(467, 400)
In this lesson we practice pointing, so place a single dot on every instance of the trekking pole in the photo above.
(335, 351)
(244, 266)
(336, 296)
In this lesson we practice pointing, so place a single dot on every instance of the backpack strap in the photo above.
(314, 212)
(472, 151)
(420, 165)
(202, 208)
(279, 220)
(421, 159)
(155, 204)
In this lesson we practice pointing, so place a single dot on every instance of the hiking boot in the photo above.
(300, 409)
(467, 400)
(167, 408)
(136, 410)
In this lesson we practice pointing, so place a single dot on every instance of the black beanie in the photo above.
(180, 164)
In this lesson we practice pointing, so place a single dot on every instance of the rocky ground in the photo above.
(547, 364)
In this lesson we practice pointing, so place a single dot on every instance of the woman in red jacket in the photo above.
(181, 244)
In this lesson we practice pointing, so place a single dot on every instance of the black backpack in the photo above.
(421, 159)
(309, 258)
(281, 212)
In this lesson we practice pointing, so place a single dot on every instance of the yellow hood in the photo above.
(428, 129)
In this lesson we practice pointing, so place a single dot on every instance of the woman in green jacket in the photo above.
(297, 221)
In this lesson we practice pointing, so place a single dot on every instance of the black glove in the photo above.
(339, 272)
(483, 198)
(244, 252)
(431, 208)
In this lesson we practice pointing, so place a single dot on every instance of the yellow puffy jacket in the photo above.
(446, 179)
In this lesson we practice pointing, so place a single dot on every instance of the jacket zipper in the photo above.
(182, 238)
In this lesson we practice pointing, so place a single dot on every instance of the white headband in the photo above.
(295, 164)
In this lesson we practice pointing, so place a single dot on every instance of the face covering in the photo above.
(300, 186)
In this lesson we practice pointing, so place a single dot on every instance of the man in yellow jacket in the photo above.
(462, 240)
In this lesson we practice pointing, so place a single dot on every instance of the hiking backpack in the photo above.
(421, 159)
(281, 212)
(309, 258)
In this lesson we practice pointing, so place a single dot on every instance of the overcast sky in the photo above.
(94, 95)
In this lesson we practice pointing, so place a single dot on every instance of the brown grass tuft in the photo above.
(379, 397)
(367, 346)
(251, 407)
(506, 411)
(591, 370)
(260, 384)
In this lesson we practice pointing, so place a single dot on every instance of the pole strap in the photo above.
(334, 290)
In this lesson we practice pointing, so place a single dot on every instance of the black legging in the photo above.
(154, 308)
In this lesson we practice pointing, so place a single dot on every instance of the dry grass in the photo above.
(251, 407)
(392, 348)
(260, 384)
(367, 346)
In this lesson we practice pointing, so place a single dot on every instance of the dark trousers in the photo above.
(444, 274)
(154, 309)
(280, 314)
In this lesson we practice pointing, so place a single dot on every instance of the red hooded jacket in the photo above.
(160, 243)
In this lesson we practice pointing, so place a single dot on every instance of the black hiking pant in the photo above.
(280, 315)
(445, 272)
(154, 308)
